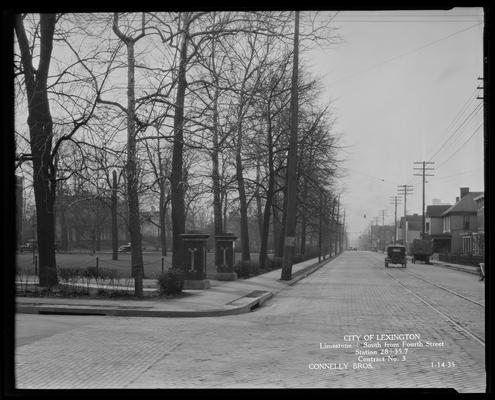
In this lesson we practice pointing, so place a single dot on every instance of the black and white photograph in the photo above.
(245, 199)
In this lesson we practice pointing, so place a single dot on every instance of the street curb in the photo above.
(118, 312)
(468, 269)
(309, 270)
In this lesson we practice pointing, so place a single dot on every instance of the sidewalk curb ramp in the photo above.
(239, 306)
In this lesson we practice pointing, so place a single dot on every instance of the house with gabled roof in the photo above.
(461, 220)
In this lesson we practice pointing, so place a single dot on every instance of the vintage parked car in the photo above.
(30, 245)
(395, 254)
(125, 248)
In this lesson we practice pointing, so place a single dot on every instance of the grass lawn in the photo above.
(152, 262)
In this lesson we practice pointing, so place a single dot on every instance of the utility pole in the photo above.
(320, 230)
(424, 175)
(376, 224)
(383, 228)
(332, 223)
(343, 234)
(395, 200)
(405, 190)
(371, 236)
(337, 231)
(290, 227)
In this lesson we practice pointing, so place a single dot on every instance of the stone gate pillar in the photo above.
(224, 257)
(194, 268)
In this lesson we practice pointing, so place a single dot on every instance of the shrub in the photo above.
(170, 282)
(67, 275)
(91, 272)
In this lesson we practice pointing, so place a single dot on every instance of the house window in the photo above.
(466, 245)
(466, 222)
(446, 224)
(427, 227)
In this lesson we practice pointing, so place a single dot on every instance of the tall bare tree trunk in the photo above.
(290, 227)
(259, 212)
(283, 222)
(176, 177)
(215, 175)
(41, 136)
(242, 194)
(304, 222)
(115, 228)
(163, 213)
(224, 202)
(269, 198)
(132, 178)
(131, 164)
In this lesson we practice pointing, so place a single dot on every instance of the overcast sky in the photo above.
(404, 87)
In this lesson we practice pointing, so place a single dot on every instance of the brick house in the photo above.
(461, 221)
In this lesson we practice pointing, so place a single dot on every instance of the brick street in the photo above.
(274, 346)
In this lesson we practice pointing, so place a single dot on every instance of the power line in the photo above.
(469, 117)
(459, 113)
(424, 175)
(462, 146)
(405, 54)
(451, 176)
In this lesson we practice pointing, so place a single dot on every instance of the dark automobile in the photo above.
(421, 250)
(125, 248)
(30, 245)
(396, 254)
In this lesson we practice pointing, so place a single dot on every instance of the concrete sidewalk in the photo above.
(223, 298)
(463, 268)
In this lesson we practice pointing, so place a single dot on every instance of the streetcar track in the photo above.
(444, 288)
(456, 324)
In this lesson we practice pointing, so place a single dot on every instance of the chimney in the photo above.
(464, 191)
(457, 199)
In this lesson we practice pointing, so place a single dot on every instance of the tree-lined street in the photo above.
(277, 345)
(195, 199)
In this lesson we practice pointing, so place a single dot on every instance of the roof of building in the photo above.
(466, 204)
(479, 197)
(436, 210)
(414, 222)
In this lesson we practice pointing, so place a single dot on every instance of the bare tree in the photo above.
(131, 164)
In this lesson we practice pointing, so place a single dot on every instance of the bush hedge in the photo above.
(170, 282)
